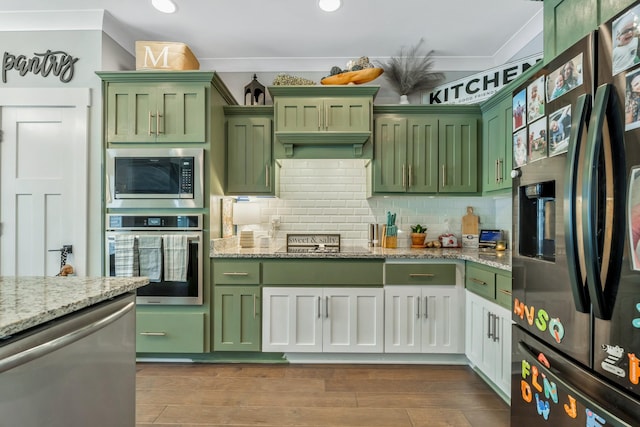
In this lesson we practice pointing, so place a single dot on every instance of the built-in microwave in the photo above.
(154, 178)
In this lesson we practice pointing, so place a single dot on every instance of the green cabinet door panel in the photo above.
(497, 147)
(420, 274)
(458, 155)
(236, 272)
(298, 114)
(182, 109)
(322, 272)
(347, 114)
(236, 318)
(422, 155)
(139, 112)
(250, 168)
(503, 290)
(390, 155)
(169, 332)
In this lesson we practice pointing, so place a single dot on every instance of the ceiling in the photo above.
(295, 35)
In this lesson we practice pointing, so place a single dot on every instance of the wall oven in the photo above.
(166, 248)
(154, 178)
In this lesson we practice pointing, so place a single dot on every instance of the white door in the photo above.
(43, 183)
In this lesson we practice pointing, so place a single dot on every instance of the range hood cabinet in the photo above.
(323, 122)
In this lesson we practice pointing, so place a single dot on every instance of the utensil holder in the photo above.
(391, 242)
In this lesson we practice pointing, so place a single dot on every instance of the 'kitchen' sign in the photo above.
(57, 63)
(480, 86)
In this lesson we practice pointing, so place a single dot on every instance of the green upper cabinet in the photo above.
(250, 165)
(322, 121)
(422, 149)
(458, 155)
(567, 21)
(323, 115)
(497, 147)
(143, 112)
(406, 155)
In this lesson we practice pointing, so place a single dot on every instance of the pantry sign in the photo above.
(51, 62)
(480, 86)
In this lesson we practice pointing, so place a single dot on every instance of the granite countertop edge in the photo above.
(499, 260)
(26, 302)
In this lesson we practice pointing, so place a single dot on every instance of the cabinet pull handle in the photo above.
(495, 328)
(444, 176)
(254, 306)
(478, 281)
(229, 273)
(327, 117)
(267, 177)
(149, 127)
(418, 306)
(319, 119)
(326, 312)
(500, 177)
(489, 318)
(422, 275)
(319, 307)
(497, 171)
(410, 175)
(404, 176)
(426, 307)
(504, 291)
(153, 334)
(158, 131)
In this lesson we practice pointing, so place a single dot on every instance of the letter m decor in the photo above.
(166, 56)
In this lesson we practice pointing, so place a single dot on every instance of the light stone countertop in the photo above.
(500, 260)
(26, 302)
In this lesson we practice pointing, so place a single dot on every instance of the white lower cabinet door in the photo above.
(423, 319)
(442, 320)
(353, 321)
(488, 340)
(338, 320)
(292, 319)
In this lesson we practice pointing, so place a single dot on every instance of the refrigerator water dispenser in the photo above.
(537, 229)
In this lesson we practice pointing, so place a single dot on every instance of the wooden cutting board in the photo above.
(470, 222)
(353, 77)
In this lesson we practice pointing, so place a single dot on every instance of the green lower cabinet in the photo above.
(236, 318)
(170, 332)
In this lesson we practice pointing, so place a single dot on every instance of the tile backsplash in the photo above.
(330, 196)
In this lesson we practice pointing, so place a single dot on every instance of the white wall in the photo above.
(329, 196)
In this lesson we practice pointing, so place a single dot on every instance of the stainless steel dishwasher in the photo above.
(76, 371)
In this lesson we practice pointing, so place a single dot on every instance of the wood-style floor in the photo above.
(243, 395)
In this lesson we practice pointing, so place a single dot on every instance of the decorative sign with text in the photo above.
(313, 242)
(52, 62)
(480, 86)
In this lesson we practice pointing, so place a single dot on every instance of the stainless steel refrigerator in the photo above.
(576, 205)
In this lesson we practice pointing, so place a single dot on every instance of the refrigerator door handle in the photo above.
(576, 393)
(573, 205)
(604, 194)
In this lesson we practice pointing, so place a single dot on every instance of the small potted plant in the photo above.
(418, 236)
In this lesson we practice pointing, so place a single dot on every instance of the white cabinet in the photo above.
(423, 319)
(488, 340)
(338, 320)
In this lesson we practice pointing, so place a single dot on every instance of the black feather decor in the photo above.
(410, 71)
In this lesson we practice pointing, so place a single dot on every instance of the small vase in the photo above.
(417, 239)
(404, 99)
